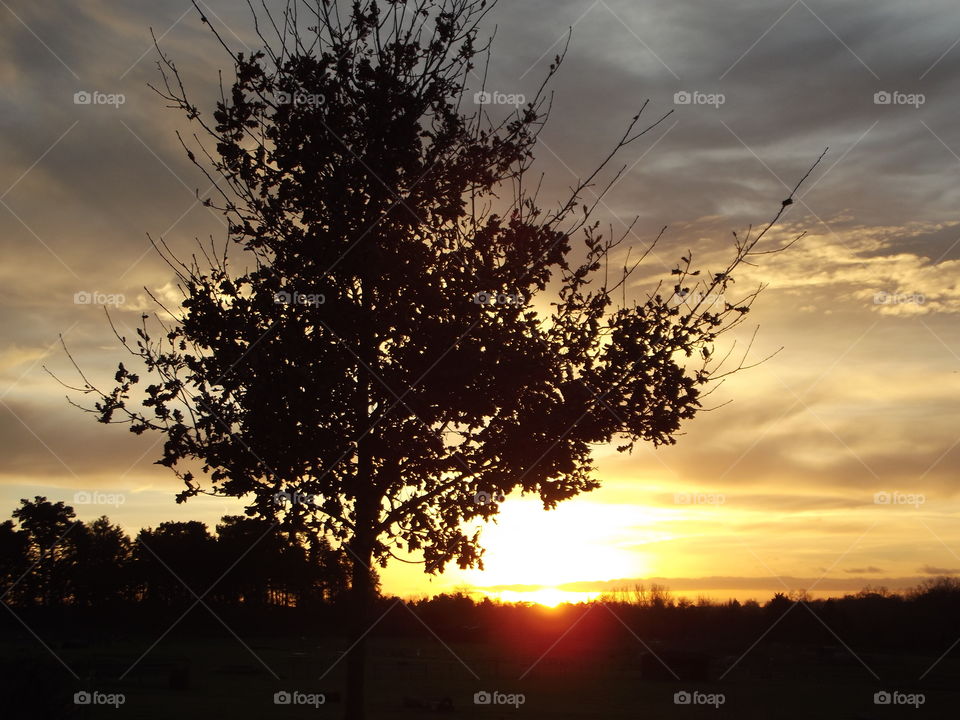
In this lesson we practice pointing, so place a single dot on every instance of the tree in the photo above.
(330, 571)
(104, 553)
(263, 566)
(395, 335)
(252, 572)
(46, 526)
(14, 561)
(174, 559)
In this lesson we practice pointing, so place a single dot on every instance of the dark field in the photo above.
(200, 672)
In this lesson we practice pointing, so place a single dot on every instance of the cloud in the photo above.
(933, 570)
(861, 399)
(15, 357)
(678, 585)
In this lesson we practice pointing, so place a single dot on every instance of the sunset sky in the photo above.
(835, 466)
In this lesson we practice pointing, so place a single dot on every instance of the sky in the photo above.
(830, 466)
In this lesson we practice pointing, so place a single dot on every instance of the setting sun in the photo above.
(576, 541)
(547, 597)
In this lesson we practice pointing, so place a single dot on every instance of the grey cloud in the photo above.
(933, 570)
(94, 196)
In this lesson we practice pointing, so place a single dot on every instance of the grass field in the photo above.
(219, 677)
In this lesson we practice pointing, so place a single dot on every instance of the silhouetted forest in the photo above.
(49, 558)
(63, 568)
(238, 616)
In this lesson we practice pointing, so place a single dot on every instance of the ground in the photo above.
(218, 677)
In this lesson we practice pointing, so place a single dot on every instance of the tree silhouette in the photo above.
(46, 527)
(290, 570)
(104, 555)
(395, 335)
(173, 559)
(252, 577)
(14, 561)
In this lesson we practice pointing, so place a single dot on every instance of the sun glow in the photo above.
(532, 554)
(548, 597)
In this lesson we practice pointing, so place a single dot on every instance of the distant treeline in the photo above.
(60, 569)
(50, 558)
(925, 619)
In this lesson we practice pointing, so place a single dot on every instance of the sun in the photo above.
(546, 597)
(531, 554)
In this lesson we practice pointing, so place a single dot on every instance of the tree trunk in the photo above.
(361, 600)
(362, 588)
